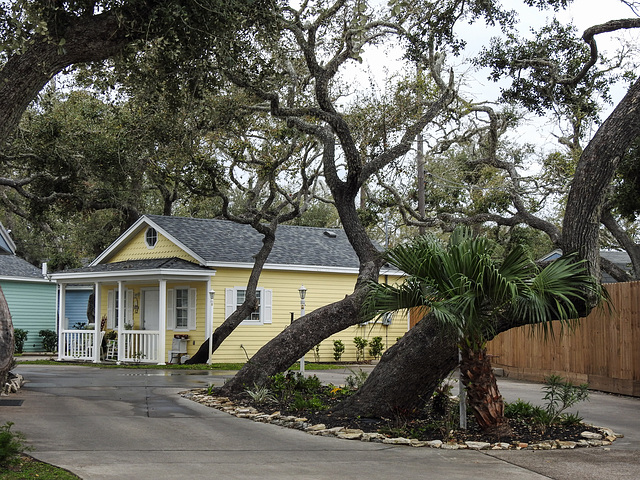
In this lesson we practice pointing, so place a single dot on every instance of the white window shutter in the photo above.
(111, 309)
(230, 302)
(191, 319)
(171, 309)
(267, 301)
(128, 311)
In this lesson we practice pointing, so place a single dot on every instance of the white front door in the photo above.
(150, 310)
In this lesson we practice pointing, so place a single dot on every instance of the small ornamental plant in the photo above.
(19, 337)
(338, 350)
(361, 344)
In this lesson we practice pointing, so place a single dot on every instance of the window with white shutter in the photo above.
(261, 315)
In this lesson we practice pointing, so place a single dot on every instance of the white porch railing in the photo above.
(77, 345)
(140, 346)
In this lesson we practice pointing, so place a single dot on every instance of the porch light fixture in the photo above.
(303, 292)
(136, 303)
(212, 294)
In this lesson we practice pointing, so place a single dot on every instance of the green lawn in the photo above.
(214, 366)
(29, 468)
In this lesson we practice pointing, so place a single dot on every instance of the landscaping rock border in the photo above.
(13, 384)
(604, 438)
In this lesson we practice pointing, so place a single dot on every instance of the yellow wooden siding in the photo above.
(136, 249)
(322, 288)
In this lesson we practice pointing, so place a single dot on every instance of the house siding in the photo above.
(322, 289)
(137, 249)
(75, 306)
(33, 308)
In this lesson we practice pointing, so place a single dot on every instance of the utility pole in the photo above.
(420, 162)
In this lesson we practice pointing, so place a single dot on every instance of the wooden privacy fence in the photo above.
(604, 351)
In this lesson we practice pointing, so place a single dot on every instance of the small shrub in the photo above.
(561, 395)
(519, 410)
(302, 402)
(261, 395)
(19, 337)
(361, 344)
(571, 419)
(316, 353)
(49, 340)
(11, 445)
(356, 379)
(338, 350)
(376, 347)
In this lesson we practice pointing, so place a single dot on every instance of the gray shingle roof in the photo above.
(12, 266)
(136, 265)
(224, 241)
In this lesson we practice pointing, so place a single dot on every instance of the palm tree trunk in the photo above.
(483, 396)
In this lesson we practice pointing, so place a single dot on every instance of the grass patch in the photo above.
(28, 467)
(146, 366)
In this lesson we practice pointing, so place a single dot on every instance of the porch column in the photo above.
(120, 321)
(162, 321)
(97, 342)
(62, 324)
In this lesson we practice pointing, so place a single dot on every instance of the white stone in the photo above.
(372, 437)
(349, 436)
(566, 444)
(418, 443)
(315, 428)
(478, 445)
(591, 435)
(434, 443)
(450, 446)
(502, 446)
(397, 441)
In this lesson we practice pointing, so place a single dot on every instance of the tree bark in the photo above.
(87, 38)
(594, 173)
(407, 374)
(6, 341)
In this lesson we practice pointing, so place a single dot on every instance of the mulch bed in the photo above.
(424, 427)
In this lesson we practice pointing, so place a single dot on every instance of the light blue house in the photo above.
(30, 295)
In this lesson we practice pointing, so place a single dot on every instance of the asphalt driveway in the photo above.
(121, 423)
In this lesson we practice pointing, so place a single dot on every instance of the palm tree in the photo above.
(468, 289)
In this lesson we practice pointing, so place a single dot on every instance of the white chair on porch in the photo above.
(178, 349)
(112, 350)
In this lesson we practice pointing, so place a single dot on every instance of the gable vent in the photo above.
(329, 234)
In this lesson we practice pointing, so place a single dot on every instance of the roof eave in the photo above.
(163, 273)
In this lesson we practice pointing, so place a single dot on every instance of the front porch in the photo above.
(142, 312)
(137, 346)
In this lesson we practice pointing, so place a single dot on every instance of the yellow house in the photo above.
(168, 282)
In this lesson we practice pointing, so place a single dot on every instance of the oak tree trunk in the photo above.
(407, 374)
(593, 176)
(6, 341)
